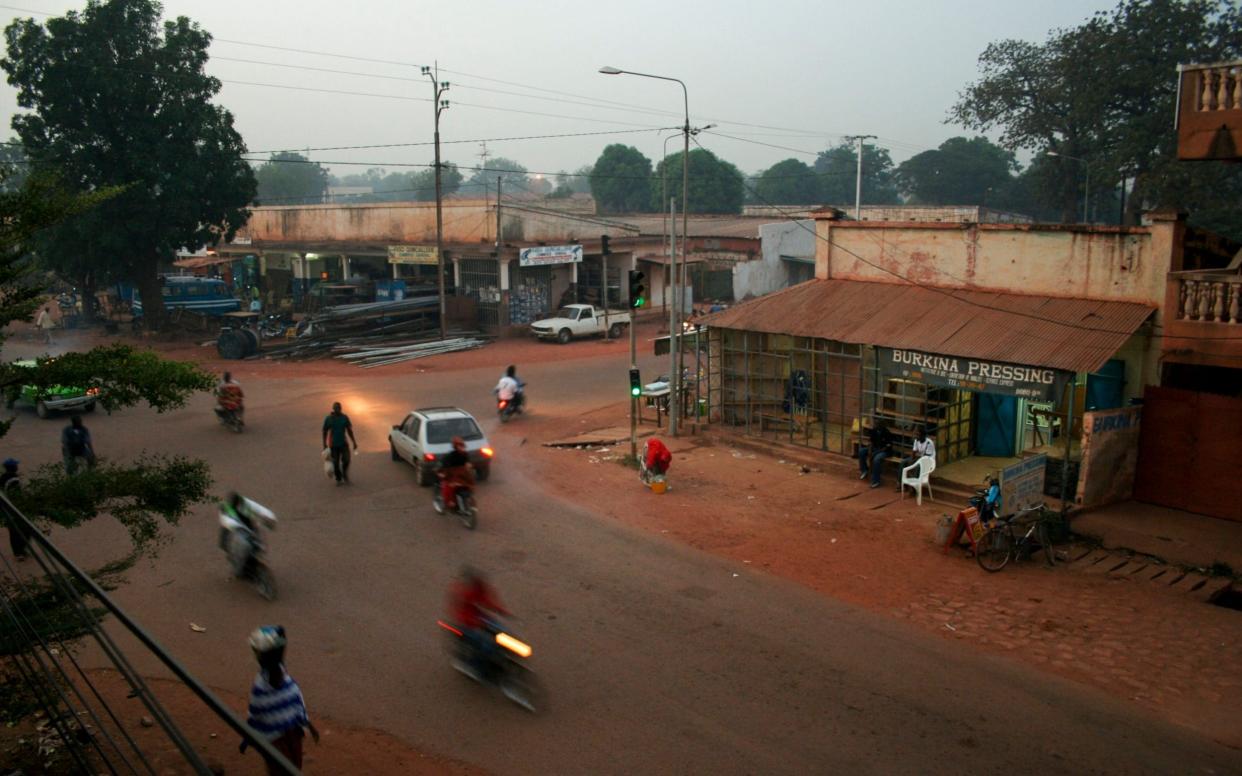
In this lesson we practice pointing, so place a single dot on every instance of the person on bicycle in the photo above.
(455, 472)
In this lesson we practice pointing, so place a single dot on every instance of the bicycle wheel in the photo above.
(993, 549)
(1045, 541)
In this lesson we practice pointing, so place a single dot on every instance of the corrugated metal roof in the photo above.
(1078, 335)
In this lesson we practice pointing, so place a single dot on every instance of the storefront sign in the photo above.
(1022, 485)
(550, 254)
(973, 374)
(1109, 456)
(412, 254)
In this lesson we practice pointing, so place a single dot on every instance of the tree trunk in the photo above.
(151, 290)
(89, 300)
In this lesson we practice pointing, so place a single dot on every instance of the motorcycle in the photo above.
(464, 507)
(231, 419)
(507, 408)
(245, 548)
(498, 662)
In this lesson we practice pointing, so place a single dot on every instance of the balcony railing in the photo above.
(1210, 297)
(1216, 87)
(1209, 113)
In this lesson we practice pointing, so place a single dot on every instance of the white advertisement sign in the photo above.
(545, 255)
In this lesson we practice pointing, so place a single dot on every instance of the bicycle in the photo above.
(1000, 542)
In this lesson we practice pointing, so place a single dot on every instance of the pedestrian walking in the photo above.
(336, 427)
(11, 485)
(277, 708)
(75, 443)
(45, 323)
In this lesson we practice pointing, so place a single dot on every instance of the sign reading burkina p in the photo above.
(550, 254)
(1110, 440)
(973, 374)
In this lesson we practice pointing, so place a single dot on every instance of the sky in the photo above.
(799, 74)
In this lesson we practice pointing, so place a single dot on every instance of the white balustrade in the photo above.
(1210, 300)
(1219, 88)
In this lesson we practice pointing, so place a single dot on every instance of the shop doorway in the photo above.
(1106, 389)
(480, 280)
(997, 427)
(530, 297)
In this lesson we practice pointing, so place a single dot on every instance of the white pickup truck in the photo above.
(580, 320)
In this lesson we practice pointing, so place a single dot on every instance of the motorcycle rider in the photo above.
(471, 601)
(509, 389)
(238, 543)
(455, 472)
(229, 397)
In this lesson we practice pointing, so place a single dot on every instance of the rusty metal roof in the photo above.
(1078, 335)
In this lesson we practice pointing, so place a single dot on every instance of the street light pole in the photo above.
(1086, 184)
(675, 334)
(438, 89)
(858, 176)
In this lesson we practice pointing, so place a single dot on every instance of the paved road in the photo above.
(657, 658)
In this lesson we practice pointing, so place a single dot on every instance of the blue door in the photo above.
(1106, 389)
(997, 425)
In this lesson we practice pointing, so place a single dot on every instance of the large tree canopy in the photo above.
(838, 170)
(289, 178)
(790, 182)
(1104, 92)
(716, 186)
(115, 98)
(621, 180)
(512, 174)
(960, 172)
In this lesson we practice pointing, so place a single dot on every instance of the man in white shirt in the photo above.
(509, 389)
(923, 447)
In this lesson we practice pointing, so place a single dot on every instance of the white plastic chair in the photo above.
(917, 475)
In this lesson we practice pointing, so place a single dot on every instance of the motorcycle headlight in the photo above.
(513, 645)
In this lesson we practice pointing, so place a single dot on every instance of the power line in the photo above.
(476, 140)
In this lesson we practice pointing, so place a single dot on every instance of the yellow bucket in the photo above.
(659, 486)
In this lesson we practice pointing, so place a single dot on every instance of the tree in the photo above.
(838, 170)
(114, 100)
(716, 186)
(510, 172)
(290, 179)
(960, 172)
(790, 182)
(1104, 92)
(621, 180)
(424, 183)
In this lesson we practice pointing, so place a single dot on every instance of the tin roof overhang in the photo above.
(1077, 335)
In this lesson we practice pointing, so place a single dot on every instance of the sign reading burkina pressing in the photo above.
(550, 254)
(973, 374)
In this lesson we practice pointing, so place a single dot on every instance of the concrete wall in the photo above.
(771, 273)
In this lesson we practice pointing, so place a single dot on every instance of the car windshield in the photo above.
(440, 432)
(568, 312)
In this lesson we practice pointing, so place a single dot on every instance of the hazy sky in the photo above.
(790, 73)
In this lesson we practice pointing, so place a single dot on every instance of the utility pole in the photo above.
(604, 250)
(672, 318)
(439, 88)
(498, 180)
(858, 181)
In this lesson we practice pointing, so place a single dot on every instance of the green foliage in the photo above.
(141, 496)
(112, 97)
(1104, 92)
(716, 186)
(512, 174)
(290, 179)
(789, 182)
(960, 172)
(621, 180)
(837, 168)
(424, 183)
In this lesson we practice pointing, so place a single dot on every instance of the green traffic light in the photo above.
(635, 391)
(639, 302)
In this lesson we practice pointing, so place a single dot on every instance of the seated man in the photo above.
(455, 472)
(871, 455)
(923, 447)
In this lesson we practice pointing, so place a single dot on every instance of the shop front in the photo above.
(811, 364)
(540, 280)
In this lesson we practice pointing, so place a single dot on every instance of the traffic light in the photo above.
(636, 384)
(638, 289)
(603, 245)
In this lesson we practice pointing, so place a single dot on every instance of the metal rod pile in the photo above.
(368, 357)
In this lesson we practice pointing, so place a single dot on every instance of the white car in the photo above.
(425, 436)
(580, 320)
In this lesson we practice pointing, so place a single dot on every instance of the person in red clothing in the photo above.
(472, 602)
(656, 459)
(455, 471)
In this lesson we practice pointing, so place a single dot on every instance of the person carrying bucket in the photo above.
(654, 463)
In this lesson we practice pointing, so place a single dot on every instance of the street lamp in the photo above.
(438, 88)
(1086, 186)
(674, 331)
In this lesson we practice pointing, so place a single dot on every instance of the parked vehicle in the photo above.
(203, 295)
(245, 548)
(463, 503)
(52, 398)
(580, 320)
(500, 663)
(426, 435)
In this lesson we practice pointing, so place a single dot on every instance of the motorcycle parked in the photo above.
(498, 662)
(464, 508)
(245, 548)
(231, 419)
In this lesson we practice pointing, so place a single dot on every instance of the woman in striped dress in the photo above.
(277, 709)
